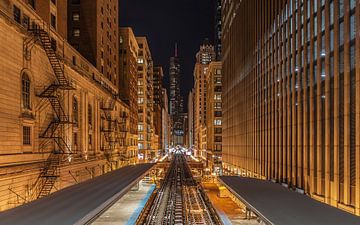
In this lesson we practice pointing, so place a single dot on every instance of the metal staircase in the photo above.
(54, 130)
(114, 131)
(108, 130)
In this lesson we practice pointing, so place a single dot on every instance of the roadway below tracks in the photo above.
(179, 200)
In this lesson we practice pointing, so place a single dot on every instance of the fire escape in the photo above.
(114, 131)
(55, 129)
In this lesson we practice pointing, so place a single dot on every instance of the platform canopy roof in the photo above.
(278, 205)
(77, 204)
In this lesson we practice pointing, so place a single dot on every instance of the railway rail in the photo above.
(179, 200)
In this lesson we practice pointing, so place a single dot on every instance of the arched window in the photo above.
(25, 86)
(90, 115)
(75, 111)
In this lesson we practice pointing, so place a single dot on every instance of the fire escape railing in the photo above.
(54, 131)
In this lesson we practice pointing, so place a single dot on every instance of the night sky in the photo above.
(164, 22)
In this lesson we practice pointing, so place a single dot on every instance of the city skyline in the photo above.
(92, 133)
(168, 22)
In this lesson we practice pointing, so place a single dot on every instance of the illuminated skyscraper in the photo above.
(176, 101)
(218, 35)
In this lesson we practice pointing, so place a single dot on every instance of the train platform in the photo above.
(128, 208)
(275, 204)
(80, 203)
(229, 212)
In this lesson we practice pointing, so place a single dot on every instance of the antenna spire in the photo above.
(176, 50)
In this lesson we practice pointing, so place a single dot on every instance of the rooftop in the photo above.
(77, 204)
(275, 204)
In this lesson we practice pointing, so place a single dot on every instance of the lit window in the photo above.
(140, 100)
(76, 16)
(140, 60)
(76, 32)
(217, 122)
(217, 97)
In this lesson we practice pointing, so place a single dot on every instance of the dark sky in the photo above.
(164, 22)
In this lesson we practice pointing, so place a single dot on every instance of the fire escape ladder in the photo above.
(108, 130)
(55, 129)
(49, 174)
(121, 132)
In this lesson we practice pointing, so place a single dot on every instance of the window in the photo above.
(140, 127)
(352, 27)
(218, 130)
(75, 16)
(90, 115)
(140, 100)
(32, 3)
(217, 97)
(76, 32)
(75, 2)
(26, 135)
(53, 20)
(218, 138)
(217, 105)
(25, 82)
(75, 142)
(25, 21)
(140, 60)
(17, 14)
(217, 114)
(75, 139)
(217, 122)
(75, 111)
(140, 91)
(90, 139)
(217, 80)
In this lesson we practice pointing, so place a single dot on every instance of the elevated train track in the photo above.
(179, 200)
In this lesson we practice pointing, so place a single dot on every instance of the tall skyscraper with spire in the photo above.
(176, 101)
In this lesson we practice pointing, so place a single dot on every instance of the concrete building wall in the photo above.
(191, 109)
(95, 34)
(128, 78)
(290, 95)
(205, 55)
(158, 104)
(145, 100)
(214, 117)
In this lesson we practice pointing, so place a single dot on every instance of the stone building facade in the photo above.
(128, 78)
(214, 117)
(205, 55)
(158, 104)
(291, 95)
(93, 28)
(60, 117)
(145, 101)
